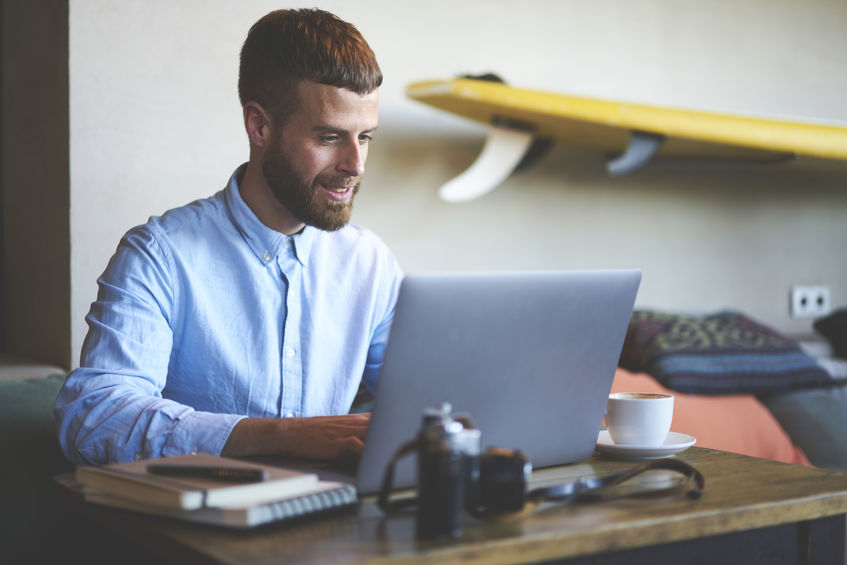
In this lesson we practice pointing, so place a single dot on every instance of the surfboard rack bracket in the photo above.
(539, 147)
(642, 147)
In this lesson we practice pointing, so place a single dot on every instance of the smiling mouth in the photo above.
(341, 192)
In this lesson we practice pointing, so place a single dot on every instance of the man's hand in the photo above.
(320, 437)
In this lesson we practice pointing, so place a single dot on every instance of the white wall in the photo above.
(155, 122)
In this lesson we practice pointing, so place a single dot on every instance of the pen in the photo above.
(228, 474)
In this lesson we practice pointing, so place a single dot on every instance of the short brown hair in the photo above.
(286, 47)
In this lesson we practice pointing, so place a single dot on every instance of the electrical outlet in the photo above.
(809, 301)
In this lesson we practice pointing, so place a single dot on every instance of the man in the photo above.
(242, 324)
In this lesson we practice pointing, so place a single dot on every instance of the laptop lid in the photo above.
(529, 356)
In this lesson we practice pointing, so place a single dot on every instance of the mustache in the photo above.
(330, 180)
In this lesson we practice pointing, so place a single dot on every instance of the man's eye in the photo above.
(365, 138)
(329, 138)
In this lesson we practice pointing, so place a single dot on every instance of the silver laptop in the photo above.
(530, 356)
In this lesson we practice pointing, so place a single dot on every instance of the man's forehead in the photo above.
(330, 106)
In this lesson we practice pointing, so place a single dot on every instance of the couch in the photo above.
(743, 386)
(32, 522)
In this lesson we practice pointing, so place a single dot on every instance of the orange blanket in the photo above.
(736, 423)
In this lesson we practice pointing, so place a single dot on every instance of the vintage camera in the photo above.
(455, 476)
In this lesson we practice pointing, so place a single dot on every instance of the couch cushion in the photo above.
(14, 368)
(816, 420)
(31, 458)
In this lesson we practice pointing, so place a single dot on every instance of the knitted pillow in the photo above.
(722, 353)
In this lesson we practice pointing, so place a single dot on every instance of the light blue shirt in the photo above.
(205, 316)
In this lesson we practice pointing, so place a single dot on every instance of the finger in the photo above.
(352, 445)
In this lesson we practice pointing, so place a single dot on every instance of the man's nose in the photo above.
(353, 161)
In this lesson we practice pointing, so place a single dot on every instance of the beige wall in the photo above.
(155, 123)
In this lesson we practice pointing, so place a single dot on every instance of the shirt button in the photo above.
(287, 244)
(289, 415)
(290, 352)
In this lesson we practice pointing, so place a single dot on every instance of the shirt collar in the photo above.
(265, 242)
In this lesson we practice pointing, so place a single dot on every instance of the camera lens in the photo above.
(503, 479)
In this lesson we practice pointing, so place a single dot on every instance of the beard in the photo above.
(303, 197)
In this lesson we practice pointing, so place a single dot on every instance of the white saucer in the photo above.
(675, 443)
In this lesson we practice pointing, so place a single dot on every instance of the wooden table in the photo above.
(754, 511)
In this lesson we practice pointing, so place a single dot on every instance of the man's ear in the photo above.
(257, 122)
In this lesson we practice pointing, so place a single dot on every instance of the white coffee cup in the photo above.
(639, 418)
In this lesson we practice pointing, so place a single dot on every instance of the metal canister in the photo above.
(447, 456)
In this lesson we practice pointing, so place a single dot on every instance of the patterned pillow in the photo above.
(722, 353)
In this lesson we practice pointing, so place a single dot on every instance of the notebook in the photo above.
(209, 489)
(529, 356)
(133, 480)
(326, 497)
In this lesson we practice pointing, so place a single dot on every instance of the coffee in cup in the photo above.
(639, 418)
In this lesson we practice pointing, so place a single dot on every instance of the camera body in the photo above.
(455, 476)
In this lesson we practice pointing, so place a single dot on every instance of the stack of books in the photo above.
(213, 490)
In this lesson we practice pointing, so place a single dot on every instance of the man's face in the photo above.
(315, 161)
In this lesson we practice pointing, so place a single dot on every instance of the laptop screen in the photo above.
(529, 356)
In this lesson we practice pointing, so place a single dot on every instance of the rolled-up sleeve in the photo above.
(111, 407)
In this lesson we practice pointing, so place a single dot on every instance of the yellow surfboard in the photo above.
(636, 132)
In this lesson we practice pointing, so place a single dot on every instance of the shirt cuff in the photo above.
(200, 432)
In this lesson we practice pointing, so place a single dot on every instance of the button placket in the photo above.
(292, 366)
